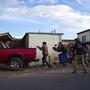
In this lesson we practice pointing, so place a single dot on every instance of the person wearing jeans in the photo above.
(79, 55)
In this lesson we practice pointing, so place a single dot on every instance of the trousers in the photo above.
(44, 60)
(79, 58)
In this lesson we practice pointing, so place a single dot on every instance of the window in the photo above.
(89, 37)
(83, 38)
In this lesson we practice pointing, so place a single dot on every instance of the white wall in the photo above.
(37, 39)
(87, 34)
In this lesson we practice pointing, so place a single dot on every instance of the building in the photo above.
(32, 39)
(12, 42)
(67, 41)
(5, 37)
(84, 36)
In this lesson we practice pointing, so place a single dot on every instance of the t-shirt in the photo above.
(80, 49)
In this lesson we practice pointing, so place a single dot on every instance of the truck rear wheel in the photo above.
(15, 63)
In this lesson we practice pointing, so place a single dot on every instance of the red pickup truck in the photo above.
(16, 57)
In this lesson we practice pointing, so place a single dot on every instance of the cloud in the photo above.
(84, 2)
(8, 2)
(45, 11)
(30, 3)
(40, 2)
(63, 16)
(12, 3)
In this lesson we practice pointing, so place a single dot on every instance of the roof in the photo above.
(68, 40)
(41, 33)
(44, 33)
(5, 36)
(84, 31)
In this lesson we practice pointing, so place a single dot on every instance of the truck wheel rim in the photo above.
(15, 64)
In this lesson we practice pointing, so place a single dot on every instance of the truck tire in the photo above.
(15, 63)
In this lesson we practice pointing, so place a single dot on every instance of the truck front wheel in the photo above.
(15, 63)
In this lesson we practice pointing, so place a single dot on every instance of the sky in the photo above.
(65, 16)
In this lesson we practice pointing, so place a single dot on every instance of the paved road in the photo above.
(47, 81)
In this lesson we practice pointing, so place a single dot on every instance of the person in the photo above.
(70, 52)
(44, 49)
(62, 53)
(86, 48)
(79, 55)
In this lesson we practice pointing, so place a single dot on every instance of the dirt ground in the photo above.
(34, 70)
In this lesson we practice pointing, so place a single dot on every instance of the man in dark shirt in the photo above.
(79, 55)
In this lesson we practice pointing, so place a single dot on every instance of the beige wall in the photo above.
(37, 39)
